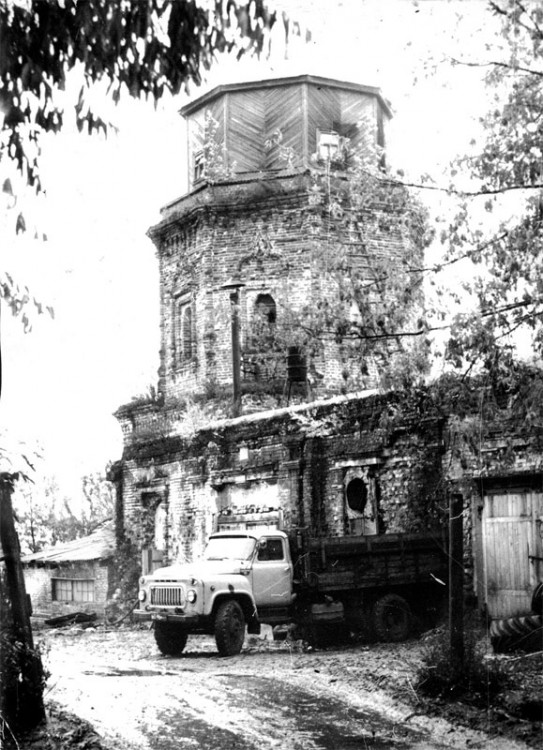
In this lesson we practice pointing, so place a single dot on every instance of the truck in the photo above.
(255, 572)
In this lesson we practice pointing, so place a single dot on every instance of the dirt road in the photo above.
(272, 696)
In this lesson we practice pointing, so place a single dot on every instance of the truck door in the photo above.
(272, 573)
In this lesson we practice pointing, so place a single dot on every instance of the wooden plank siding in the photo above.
(360, 562)
(219, 113)
(356, 109)
(248, 117)
(284, 112)
(196, 131)
(323, 112)
(245, 133)
(196, 136)
(510, 537)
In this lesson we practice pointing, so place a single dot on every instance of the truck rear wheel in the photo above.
(170, 638)
(517, 633)
(392, 618)
(229, 628)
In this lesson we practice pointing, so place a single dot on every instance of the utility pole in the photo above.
(234, 286)
(456, 582)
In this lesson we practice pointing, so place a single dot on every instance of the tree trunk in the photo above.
(21, 693)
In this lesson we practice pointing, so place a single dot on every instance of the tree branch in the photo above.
(496, 64)
(331, 334)
(472, 193)
(438, 267)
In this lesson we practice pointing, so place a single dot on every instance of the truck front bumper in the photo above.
(167, 616)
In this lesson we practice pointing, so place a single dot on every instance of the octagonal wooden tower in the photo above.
(312, 115)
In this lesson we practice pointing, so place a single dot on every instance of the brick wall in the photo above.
(39, 585)
(267, 234)
(277, 460)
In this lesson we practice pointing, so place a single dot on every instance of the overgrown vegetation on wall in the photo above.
(367, 235)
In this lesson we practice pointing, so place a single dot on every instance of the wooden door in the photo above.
(511, 528)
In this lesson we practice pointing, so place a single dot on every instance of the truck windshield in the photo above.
(230, 548)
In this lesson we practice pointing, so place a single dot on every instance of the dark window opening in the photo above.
(199, 166)
(357, 494)
(260, 356)
(186, 332)
(265, 309)
(270, 549)
(183, 333)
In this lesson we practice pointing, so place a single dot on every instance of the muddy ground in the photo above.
(273, 695)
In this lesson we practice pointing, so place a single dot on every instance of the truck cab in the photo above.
(245, 577)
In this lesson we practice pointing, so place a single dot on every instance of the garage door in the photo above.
(511, 529)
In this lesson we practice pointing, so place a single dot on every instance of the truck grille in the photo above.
(168, 596)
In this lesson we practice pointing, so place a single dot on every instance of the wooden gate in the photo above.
(511, 532)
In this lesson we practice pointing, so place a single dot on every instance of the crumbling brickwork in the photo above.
(277, 460)
(267, 213)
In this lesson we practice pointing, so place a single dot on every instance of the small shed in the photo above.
(72, 577)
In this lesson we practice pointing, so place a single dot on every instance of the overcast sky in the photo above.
(98, 269)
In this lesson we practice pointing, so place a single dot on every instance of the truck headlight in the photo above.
(142, 595)
(191, 596)
(142, 580)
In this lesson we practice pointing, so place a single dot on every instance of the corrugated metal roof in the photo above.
(98, 545)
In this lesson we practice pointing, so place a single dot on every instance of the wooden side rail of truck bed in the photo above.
(342, 563)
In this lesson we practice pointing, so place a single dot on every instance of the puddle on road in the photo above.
(128, 672)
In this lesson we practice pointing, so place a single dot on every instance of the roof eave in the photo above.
(288, 81)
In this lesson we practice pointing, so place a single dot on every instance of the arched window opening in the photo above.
(357, 494)
(183, 332)
(265, 309)
(260, 358)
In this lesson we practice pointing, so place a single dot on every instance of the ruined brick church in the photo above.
(241, 262)
(262, 403)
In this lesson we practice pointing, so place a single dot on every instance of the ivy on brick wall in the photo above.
(365, 240)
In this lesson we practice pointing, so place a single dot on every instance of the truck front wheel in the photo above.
(392, 618)
(170, 638)
(229, 628)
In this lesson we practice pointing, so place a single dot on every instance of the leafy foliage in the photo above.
(215, 161)
(45, 516)
(499, 228)
(20, 301)
(143, 48)
(365, 307)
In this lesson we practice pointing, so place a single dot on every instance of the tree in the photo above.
(144, 48)
(507, 179)
(21, 689)
(46, 516)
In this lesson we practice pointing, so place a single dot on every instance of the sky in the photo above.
(98, 269)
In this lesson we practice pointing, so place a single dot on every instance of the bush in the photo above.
(22, 684)
(479, 678)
